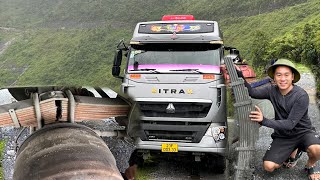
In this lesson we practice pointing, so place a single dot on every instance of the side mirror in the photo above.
(234, 51)
(116, 71)
(117, 63)
(117, 58)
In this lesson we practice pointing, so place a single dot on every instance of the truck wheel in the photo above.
(65, 151)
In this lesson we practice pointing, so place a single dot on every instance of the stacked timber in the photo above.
(48, 109)
(23, 113)
(88, 108)
(22, 110)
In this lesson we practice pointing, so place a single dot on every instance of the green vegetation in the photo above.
(72, 42)
(25, 14)
(144, 172)
(292, 33)
(300, 44)
(2, 145)
(6, 36)
(88, 13)
(60, 57)
(302, 68)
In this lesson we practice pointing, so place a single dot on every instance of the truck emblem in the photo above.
(174, 36)
(170, 109)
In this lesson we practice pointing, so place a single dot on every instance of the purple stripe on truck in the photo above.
(168, 67)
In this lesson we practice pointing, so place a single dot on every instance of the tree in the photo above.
(259, 49)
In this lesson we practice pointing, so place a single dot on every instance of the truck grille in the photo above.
(173, 131)
(181, 109)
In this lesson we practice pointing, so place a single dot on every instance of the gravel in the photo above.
(9, 155)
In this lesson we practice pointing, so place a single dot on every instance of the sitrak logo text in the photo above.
(171, 91)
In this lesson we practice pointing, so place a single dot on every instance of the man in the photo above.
(292, 125)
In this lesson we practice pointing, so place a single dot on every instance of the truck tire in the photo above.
(65, 151)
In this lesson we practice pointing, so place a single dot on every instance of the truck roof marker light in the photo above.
(216, 42)
(208, 76)
(177, 17)
(135, 76)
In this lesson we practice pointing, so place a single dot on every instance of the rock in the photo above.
(11, 152)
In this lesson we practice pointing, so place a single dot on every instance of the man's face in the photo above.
(283, 77)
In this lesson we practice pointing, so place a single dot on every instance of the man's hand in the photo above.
(257, 115)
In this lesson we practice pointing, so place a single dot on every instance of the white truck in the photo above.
(173, 72)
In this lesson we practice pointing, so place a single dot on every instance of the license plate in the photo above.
(169, 148)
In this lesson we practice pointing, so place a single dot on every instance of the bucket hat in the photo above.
(284, 62)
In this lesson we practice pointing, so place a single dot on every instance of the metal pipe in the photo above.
(31, 130)
(36, 104)
(17, 138)
(71, 106)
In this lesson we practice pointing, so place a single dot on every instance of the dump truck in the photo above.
(173, 71)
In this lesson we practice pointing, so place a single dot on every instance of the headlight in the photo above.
(215, 131)
(218, 133)
(222, 136)
(216, 137)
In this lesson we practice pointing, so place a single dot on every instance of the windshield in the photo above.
(195, 58)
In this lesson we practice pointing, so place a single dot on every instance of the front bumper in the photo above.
(207, 144)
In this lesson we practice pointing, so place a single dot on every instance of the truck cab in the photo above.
(173, 73)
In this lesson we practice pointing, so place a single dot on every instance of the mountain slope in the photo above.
(72, 42)
(75, 13)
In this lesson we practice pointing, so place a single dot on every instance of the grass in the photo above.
(2, 145)
(144, 172)
(61, 57)
(6, 36)
(302, 68)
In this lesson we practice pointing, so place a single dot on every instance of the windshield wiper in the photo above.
(146, 69)
(192, 70)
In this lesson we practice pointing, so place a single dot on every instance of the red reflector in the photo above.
(177, 17)
(135, 76)
(208, 76)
